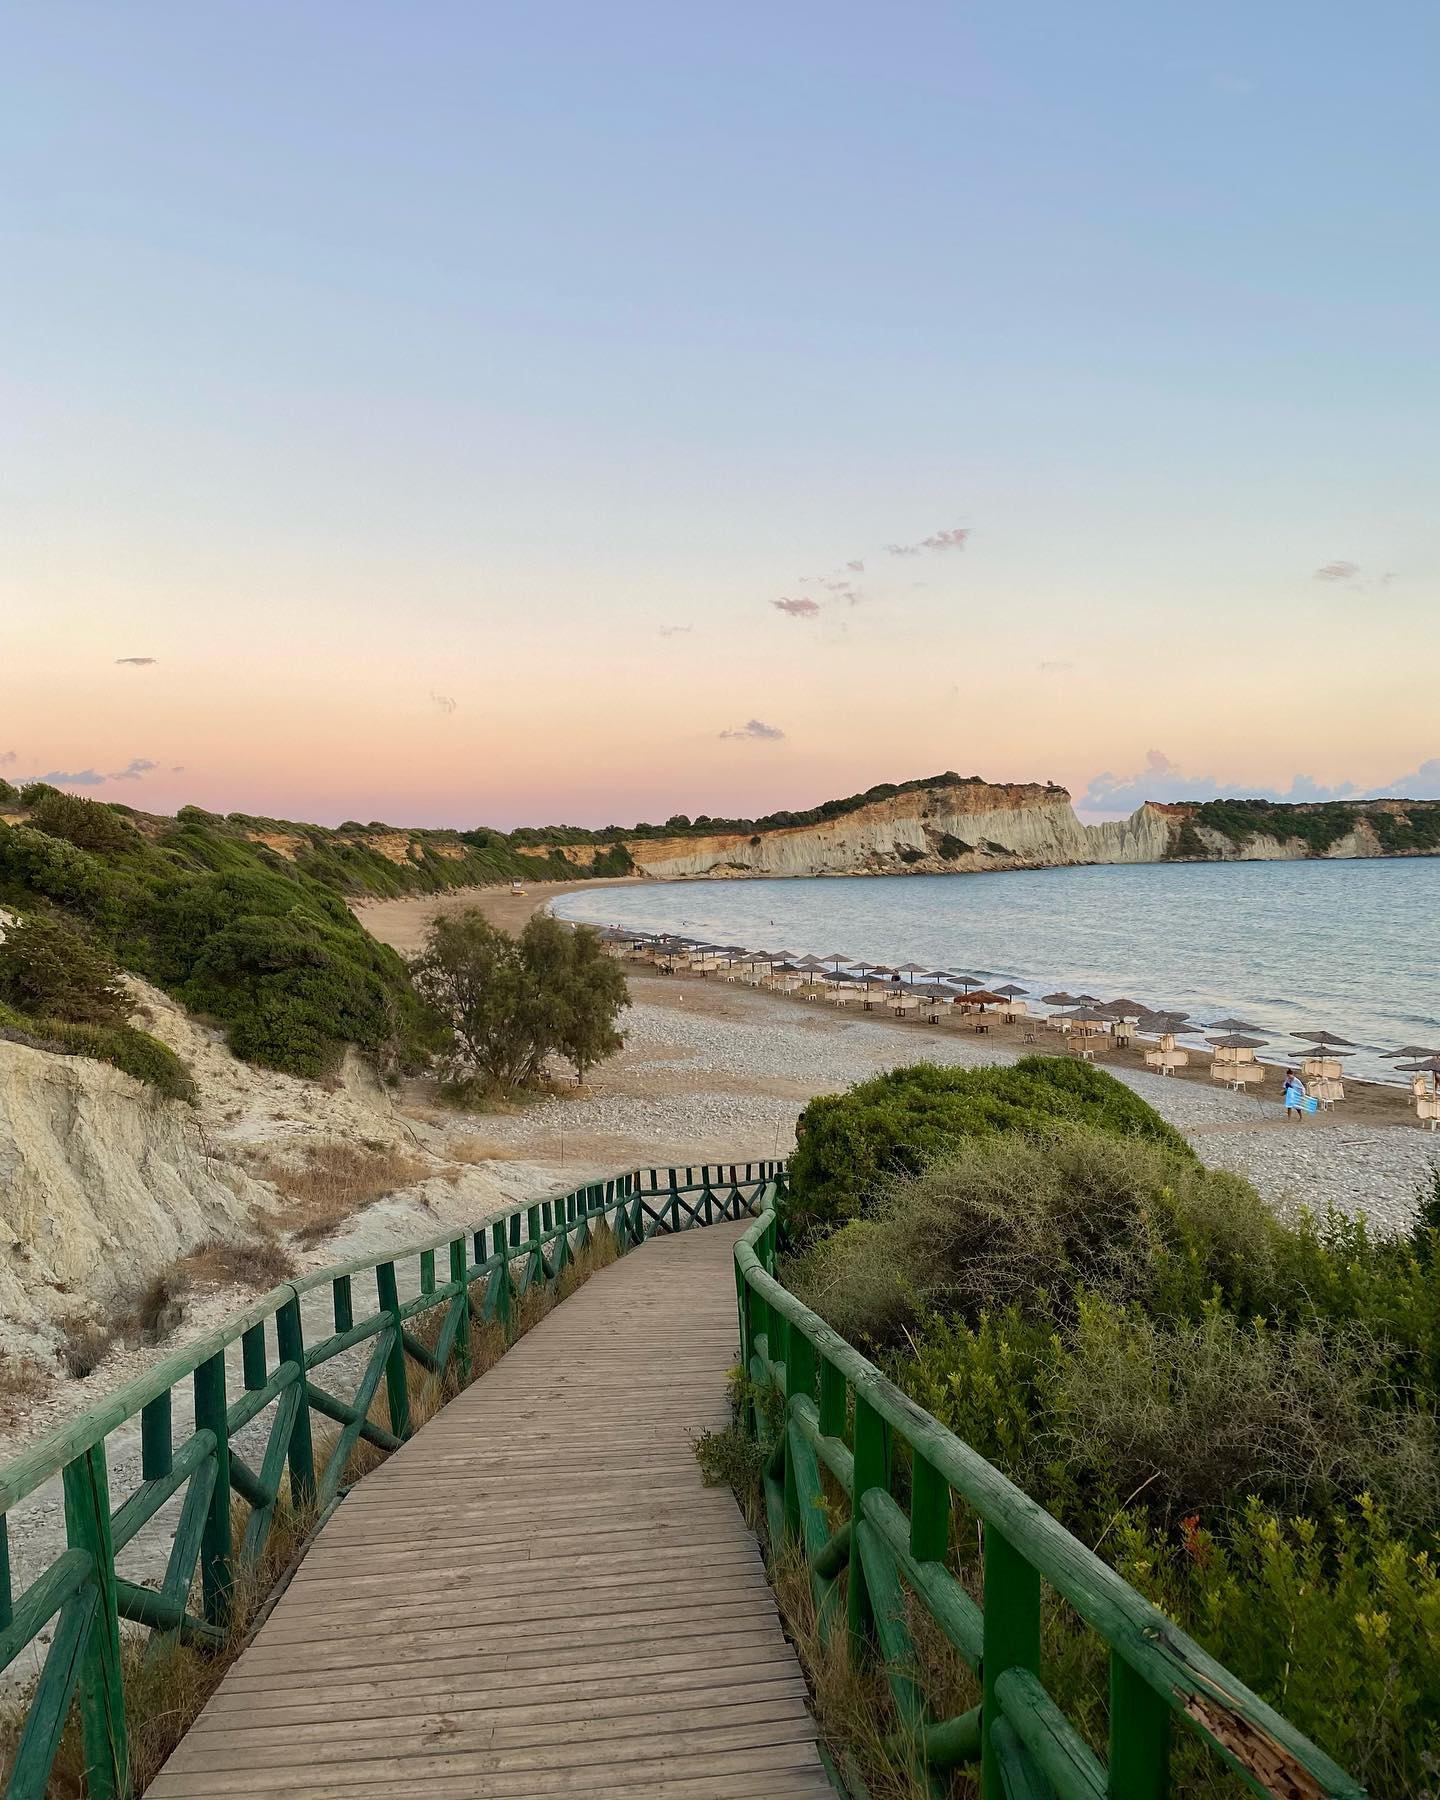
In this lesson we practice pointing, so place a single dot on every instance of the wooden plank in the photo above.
(537, 1595)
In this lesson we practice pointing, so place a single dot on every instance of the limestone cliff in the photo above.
(957, 826)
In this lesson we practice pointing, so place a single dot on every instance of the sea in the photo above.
(1348, 947)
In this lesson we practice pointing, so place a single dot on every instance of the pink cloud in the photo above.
(803, 608)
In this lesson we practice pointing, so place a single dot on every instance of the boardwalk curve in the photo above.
(536, 1595)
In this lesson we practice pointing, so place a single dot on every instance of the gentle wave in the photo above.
(1349, 947)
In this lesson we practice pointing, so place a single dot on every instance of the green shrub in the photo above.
(33, 864)
(895, 1123)
(136, 1052)
(9, 793)
(1033, 1219)
(87, 824)
(47, 969)
(1239, 1414)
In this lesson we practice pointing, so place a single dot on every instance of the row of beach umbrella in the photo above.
(1084, 1011)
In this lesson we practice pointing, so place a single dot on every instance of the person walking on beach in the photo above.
(1294, 1096)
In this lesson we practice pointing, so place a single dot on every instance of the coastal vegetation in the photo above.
(851, 1145)
(513, 1003)
(1318, 827)
(59, 992)
(1239, 1413)
(704, 825)
(222, 923)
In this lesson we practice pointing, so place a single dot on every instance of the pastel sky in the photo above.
(450, 413)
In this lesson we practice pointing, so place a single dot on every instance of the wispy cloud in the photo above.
(138, 662)
(1337, 571)
(443, 702)
(856, 566)
(7, 757)
(1056, 667)
(801, 608)
(938, 540)
(753, 730)
(135, 770)
(676, 630)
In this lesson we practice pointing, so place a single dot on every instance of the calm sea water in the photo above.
(1349, 946)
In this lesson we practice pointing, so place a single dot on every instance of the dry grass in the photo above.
(166, 1685)
(337, 1180)
(257, 1263)
(478, 1150)
(860, 1725)
(20, 1383)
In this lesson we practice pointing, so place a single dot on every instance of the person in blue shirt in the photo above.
(1294, 1096)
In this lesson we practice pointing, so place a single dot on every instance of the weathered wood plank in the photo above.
(454, 1631)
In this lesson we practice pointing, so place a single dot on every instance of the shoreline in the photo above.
(400, 922)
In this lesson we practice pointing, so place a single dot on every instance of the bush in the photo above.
(1033, 1220)
(9, 793)
(34, 864)
(134, 1052)
(1239, 1414)
(87, 824)
(47, 969)
(897, 1122)
(511, 1003)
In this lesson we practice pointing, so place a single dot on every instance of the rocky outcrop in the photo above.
(934, 830)
(953, 826)
(102, 1182)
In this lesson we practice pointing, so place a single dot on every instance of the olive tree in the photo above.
(511, 1003)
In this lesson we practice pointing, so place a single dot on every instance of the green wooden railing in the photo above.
(832, 1410)
(83, 1593)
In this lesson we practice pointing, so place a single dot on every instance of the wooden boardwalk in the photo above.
(537, 1595)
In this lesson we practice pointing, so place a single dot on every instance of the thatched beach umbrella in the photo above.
(837, 957)
(1422, 1051)
(1058, 999)
(911, 969)
(1430, 1065)
(1011, 991)
(1233, 1040)
(1231, 1025)
(1326, 1041)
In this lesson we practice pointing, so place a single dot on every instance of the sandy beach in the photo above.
(715, 1070)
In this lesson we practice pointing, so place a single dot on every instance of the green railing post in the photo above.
(462, 1333)
(156, 1447)
(872, 1470)
(1012, 1641)
(301, 1451)
(929, 1511)
(1139, 1736)
(397, 1386)
(216, 1545)
(102, 1695)
(502, 1283)
(535, 1262)
(799, 1379)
